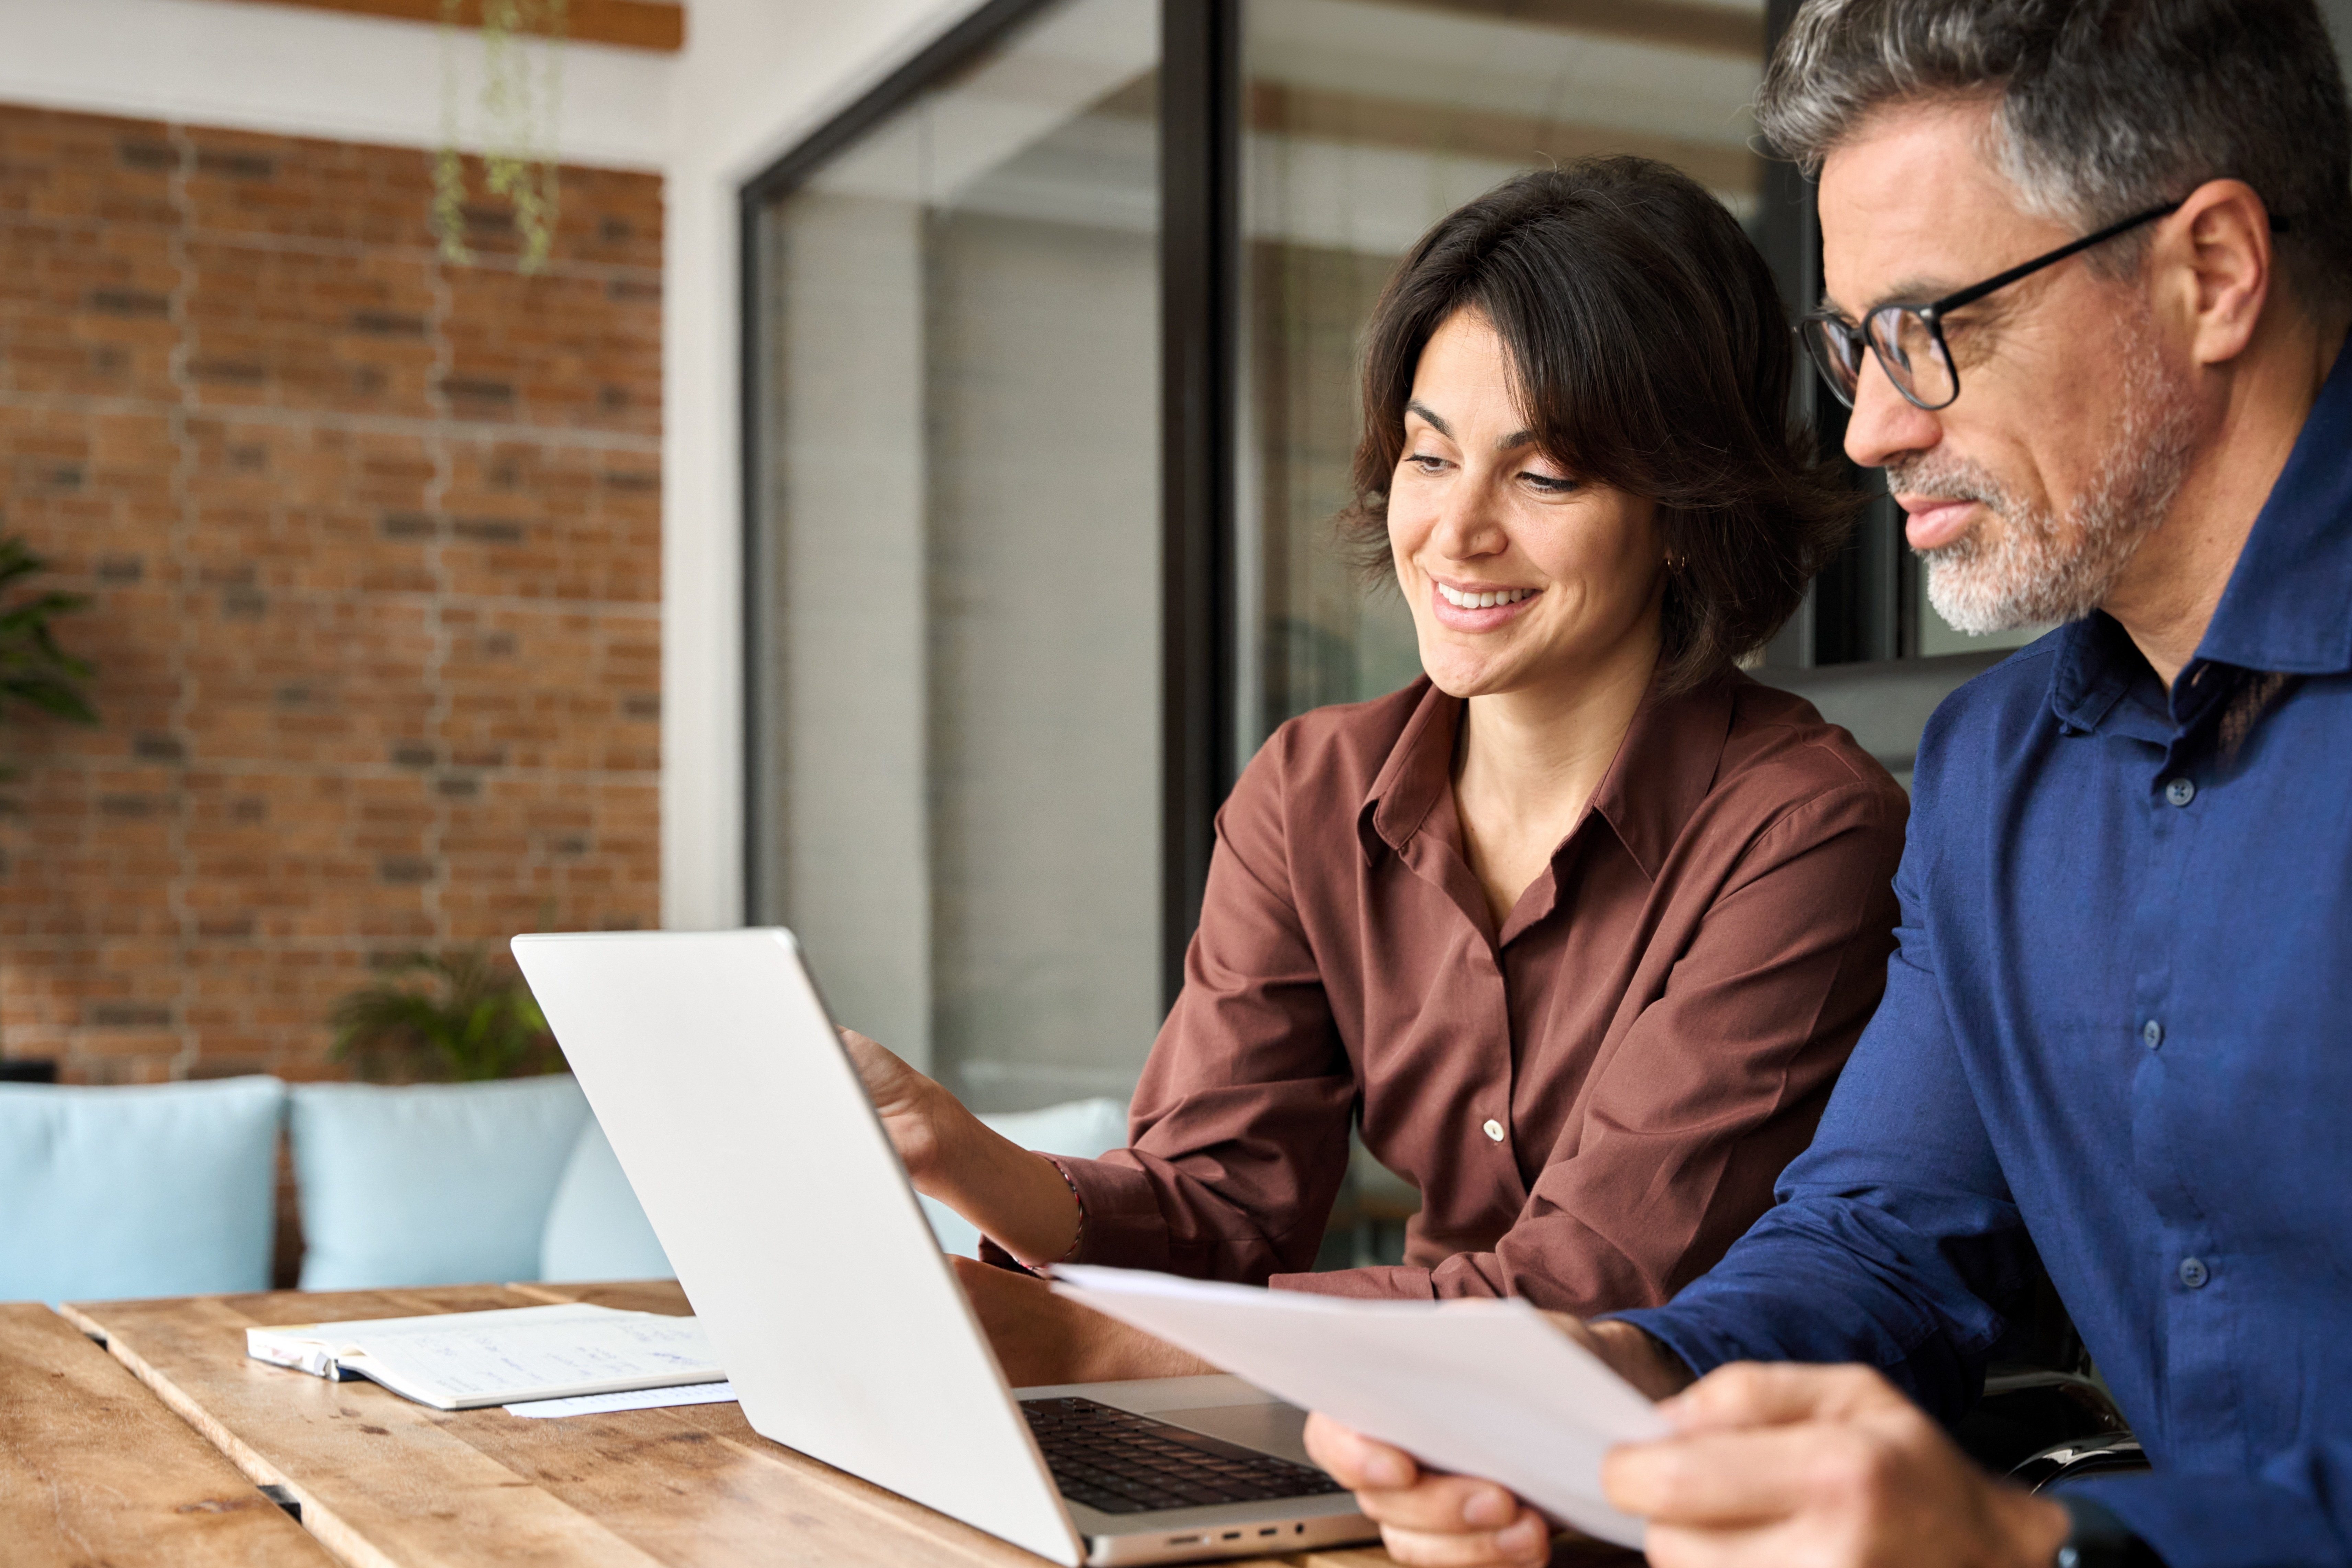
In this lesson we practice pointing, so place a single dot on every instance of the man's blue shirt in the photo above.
(2120, 1022)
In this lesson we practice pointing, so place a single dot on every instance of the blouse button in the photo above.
(1494, 1129)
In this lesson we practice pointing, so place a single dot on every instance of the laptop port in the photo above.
(1271, 1530)
(1233, 1536)
(1183, 1540)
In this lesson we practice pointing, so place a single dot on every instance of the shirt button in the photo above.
(1494, 1129)
(2193, 1273)
(2153, 1032)
(2180, 792)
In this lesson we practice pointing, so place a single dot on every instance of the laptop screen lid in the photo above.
(712, 1066)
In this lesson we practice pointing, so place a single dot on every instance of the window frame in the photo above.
(1859, 610)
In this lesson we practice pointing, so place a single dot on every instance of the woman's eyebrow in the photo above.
(1515, 440)
(1429, 417)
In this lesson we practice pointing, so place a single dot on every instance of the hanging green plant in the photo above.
(519, 109)
(36, 674)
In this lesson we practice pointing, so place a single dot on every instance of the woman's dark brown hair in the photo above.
(1652, 353)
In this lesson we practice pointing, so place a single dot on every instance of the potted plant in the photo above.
(36, 676)
(454, 1016)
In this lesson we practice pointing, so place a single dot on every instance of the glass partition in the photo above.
(955, 564)
(1365, 121)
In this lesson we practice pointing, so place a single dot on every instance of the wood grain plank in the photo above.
(94, 1470)
(656, 24)
(392, 1482)
(625, 1295)
(378, 1480)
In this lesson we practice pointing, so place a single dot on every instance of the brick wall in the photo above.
(374, 544)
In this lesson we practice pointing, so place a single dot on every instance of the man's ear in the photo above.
(2217, 250)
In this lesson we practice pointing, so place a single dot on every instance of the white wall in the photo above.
(754, 77)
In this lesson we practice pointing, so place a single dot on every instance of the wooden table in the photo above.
(381, 1481)
(94, 1470)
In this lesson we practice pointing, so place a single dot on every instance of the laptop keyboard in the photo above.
(1120, 1462)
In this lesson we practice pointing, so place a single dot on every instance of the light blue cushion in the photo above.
(1082, 1129)
(155, 1190)
(596, 1229)
(443, 1183)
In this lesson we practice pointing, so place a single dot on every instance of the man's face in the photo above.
(2028, 495)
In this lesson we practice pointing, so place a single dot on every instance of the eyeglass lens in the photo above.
(1908, 350)
(1837, 350)
(1914, 356)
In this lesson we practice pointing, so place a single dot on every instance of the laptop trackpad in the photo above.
(1267, 1425)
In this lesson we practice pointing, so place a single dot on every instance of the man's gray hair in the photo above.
(2101, 107)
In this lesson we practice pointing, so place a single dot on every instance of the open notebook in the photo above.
(461, 1361)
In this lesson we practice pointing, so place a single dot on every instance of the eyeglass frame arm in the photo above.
(1934, 312)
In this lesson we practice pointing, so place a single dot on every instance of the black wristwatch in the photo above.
(2099, 1539)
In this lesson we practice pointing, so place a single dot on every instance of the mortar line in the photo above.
(436, 497)
(344, 423)
(181, 553)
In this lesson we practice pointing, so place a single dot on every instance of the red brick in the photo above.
(373, 546)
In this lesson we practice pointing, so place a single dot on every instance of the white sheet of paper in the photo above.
(477, 1360)
(638, 1399)
(1481, 1387)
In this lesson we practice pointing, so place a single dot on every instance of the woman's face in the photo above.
(1519, 573)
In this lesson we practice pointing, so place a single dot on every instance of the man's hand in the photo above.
(1821, 1465)
(1042, 1338)
(1434, 1521)
(1427, 1520)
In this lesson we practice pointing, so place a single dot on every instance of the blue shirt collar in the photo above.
(2288, 605)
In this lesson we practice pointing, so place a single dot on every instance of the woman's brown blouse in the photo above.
(1595, 1099)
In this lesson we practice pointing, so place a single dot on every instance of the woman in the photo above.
(1578, 927)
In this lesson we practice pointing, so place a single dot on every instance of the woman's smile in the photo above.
(1477, 606)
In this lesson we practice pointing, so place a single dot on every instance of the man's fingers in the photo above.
(1727, 1480)
(1354, 1460)
(1440, 1503)
(1526, 1543)
(1761, 1394)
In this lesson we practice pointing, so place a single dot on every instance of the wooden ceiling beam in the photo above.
(655, 25)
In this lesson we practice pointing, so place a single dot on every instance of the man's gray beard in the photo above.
(2031, 570)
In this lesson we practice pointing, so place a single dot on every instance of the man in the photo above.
(2120, 1021)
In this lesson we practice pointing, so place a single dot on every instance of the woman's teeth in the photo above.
(1483, 601)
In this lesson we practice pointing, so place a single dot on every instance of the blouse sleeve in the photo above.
(1239, 1131)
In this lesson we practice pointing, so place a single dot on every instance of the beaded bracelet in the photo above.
(1078, 1237)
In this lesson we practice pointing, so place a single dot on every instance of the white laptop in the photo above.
(711, 1063)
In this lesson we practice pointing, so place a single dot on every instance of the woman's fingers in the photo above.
(907, 1101)
(886, 1076)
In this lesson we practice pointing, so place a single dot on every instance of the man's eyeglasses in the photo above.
(1909, 339)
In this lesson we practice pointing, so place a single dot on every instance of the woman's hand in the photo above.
(1015, 1197)
(1041, 1338)
(915, 1112)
